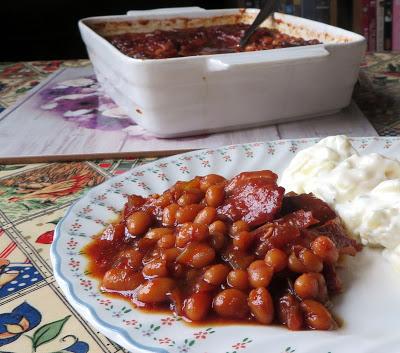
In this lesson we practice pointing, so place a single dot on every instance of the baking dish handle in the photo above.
(166, 11)
(273, 57)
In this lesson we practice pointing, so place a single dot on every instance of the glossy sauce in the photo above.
(201, 41)
(290, 225)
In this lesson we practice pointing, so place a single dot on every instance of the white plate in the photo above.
(370, 305)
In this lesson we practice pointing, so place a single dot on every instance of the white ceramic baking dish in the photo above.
(201, 94)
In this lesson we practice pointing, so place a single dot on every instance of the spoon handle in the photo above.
(267, 9)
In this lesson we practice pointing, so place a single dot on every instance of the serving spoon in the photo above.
(266, 10)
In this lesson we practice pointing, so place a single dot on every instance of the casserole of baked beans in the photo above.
(161, 44)
(236, 250)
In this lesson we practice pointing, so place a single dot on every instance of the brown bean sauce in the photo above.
(219, 39)
(192, 274)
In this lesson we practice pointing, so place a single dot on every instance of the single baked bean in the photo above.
(216, 274)
(166, 241)
(169, 214)
(121, 279)
(192, 184)
(155, 268)
(261, 305)
(130, 259)
(238, 279)
(231, 303)
(306, 286)
(206, 215)
(197, 306)
(181, 187)
(157, 233)
(138, 223)
(164, 200)
(135, 201)
(218, 227)
(326, 249)
(215, 195)
(260, 274)
(187, 213)
(295, 264)
(289, 313)
(277, 259)
(155, 290)
(239, 226)
(202, 286)
(311, 286)
(191, 232)
(170, 254)
(304, 261)
(311, 261)
(243, 240)
(176, 301)
(317, 316)
(196, 255)
(209, 180)
(217, 240)
(192, 197)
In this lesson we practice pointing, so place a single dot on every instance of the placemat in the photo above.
(69, 116)
(34, 315)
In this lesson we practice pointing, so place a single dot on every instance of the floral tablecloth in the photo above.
(34, 315)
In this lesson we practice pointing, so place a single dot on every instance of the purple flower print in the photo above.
(83, 102)
(75, 103)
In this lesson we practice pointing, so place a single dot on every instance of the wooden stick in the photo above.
(83, 157)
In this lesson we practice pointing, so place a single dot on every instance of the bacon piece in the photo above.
(333, 283)
(289, 312)
(279, 236)
(307, 202)
(237, 259)
(242, 178)
(300, 219)
(336, 232)
(133, 204)
(155, 210)
(254, 201)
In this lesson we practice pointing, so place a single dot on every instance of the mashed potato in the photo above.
(363, 189)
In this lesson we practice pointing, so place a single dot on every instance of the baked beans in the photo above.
(235, 249)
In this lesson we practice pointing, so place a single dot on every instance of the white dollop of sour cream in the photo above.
(363, 189)
(354, 176)
(315, 161)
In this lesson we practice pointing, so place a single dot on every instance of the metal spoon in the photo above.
(267, 9)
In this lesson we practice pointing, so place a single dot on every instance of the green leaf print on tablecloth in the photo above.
(48, 332)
